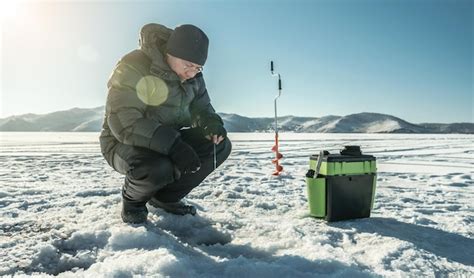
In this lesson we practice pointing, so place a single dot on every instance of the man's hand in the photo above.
(215, 139)
(215, 132)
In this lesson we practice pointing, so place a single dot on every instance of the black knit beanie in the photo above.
(188, 42)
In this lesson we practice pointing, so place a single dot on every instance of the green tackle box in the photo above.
(342, 186)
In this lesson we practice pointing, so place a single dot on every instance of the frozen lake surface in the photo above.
(60, 212)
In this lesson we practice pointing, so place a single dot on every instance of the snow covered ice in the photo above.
(60, 212)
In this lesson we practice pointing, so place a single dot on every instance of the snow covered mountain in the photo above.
(76, 119)
(90, 119)
(354, 123)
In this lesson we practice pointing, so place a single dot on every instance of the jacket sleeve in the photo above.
(126, 113)
(201, 108)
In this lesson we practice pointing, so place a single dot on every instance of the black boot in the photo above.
(179, 208)
(133, 213)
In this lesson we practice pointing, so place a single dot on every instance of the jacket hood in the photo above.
(152, 41)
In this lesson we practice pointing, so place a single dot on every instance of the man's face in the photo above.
(184, 69)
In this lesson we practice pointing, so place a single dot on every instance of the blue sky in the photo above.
(410, 59)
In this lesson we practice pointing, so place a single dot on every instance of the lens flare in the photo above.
(152, 90)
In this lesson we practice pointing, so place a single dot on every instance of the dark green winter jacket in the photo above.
(144, 94)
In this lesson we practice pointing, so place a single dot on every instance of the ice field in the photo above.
(60, 212)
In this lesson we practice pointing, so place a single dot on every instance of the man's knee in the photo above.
(162, 172)
(228, 147)
(153, 172)
(225, 150)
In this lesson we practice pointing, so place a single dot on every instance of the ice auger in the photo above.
(278, 155)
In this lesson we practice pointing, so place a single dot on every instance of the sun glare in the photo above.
(9, 9)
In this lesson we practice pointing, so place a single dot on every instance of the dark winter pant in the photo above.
(149, 173)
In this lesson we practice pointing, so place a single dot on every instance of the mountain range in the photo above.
(90, 119)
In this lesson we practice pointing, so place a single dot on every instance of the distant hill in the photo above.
(354, 123)
(76, 119)
(90, 119)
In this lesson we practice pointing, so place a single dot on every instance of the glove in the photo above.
(184, 157)
(213, 125)
(215, 129)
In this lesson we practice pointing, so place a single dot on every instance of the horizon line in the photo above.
(91, 108)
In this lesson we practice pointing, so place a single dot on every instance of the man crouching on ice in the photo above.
(160, 129)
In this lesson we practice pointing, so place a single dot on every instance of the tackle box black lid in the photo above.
(344, 158)
(348, 154)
